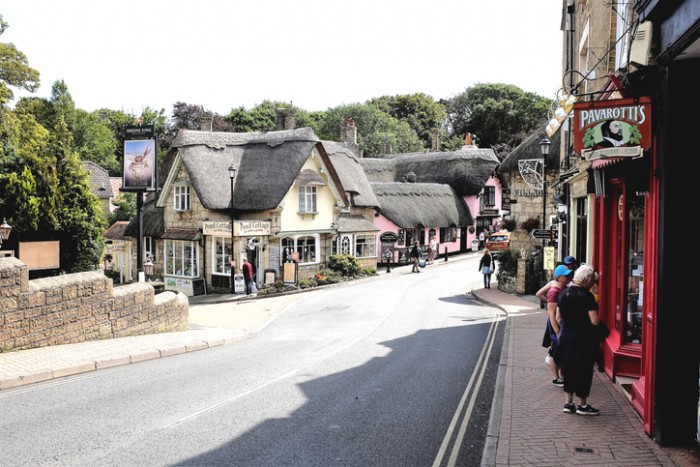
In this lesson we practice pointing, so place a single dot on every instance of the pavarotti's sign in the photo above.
(240, 228)
(613, 128)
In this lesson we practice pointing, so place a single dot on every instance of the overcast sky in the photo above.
(316, 54)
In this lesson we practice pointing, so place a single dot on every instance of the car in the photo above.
(498, 242)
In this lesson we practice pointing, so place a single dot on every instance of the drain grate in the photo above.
(584, 450)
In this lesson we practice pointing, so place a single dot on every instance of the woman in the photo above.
(577, 314)
(433, 250)
(486, 267)
(562, 275)
(415, 256)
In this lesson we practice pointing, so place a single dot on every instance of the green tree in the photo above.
(14, 70)
(495, 113)
(125, 203)
(376, 130)
(420, 111)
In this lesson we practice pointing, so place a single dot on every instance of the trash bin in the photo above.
(475, 245)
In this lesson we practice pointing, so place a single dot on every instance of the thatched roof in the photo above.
(352, 176)
(409, 205)
(465, 170)
(354, 223)
(267, 165)
(530, 149)
(100, 184)
(116, 231)
(153, 224)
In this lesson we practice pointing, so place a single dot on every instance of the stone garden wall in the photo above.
(80, 307)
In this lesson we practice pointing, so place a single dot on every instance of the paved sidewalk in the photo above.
(527, 426)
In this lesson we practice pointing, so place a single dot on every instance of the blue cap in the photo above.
(561, 270)
(569, 260)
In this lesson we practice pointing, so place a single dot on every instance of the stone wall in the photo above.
(80, 307)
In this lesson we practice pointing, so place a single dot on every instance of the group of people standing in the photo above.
(573, 332)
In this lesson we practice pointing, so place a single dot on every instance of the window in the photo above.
(635, 268)
(182, 198)
(181, 258)
(149, 251)
(286, 248)
(365, 246)
(307, 199)
(488, 197)
(221, 263)
(306, 247)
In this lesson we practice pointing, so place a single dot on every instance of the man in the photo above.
(612, 134)
(415, 256)
(247, 275)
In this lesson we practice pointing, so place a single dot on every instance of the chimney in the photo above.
(205, 122)
(286, 118)
(435, 140)
(348, 131)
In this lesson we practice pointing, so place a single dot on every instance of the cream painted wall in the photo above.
(326, 197)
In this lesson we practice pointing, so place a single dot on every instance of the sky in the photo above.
(314, 54)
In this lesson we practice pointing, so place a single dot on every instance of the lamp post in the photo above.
(232, 176)
(5, 230)
(544, 149)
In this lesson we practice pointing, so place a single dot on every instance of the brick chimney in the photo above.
(205, 122)
(348, 135)
(434, 140)
(286, 118)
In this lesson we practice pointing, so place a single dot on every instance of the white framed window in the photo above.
(306, 247)
(181, 198)
(365, 246)
(149, 249)
(181, 258)
(286, 248)
(307, 199)
(221, 256)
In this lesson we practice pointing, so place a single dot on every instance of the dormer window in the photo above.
(181, 198)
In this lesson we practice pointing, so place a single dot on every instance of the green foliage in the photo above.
(530, 224)
(14, 70)
(376, 130)
(126, 208)
(345, 265)
(508, 262)
(496, 113)
(369, 271)
(508, 224)
(420, 111)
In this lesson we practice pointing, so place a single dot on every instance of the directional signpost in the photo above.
(538, 234)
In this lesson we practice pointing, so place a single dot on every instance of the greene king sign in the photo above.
(613, 128)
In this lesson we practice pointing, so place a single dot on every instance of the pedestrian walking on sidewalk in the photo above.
(415, 256)
(486, 267)
(575, 354)
(562, 276)
(433, 249)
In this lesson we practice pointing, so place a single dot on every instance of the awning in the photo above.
(600, 163)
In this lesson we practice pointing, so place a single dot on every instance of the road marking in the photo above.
(480, 369)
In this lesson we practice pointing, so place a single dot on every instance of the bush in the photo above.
(345, 265)
(530, 224)
(508, 224)
(369, 272)
(508, 262)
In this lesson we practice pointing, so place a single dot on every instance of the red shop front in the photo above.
(625, 251)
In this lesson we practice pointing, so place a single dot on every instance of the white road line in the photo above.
(483, 359)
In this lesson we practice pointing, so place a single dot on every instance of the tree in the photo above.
(496, 113)
(376, 130)
(14, 70)
(420, 111)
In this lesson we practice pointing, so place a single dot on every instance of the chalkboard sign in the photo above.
(274, 257)
(199, 287)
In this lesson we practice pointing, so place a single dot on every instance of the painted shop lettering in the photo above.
(633, 113)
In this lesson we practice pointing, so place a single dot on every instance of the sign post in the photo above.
(388, 240)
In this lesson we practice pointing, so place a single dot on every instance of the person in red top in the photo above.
(247, 275)
(562, 277)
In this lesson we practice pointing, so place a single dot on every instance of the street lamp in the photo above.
(5, 230)
(544, 149)
(232, 176)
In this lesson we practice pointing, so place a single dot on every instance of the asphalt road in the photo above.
(398, 371)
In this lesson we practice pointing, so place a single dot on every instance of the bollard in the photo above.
(445, 253)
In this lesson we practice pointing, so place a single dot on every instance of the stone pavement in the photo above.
(527, 425)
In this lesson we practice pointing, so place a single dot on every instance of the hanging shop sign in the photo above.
(612, 128)
(139, 163)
